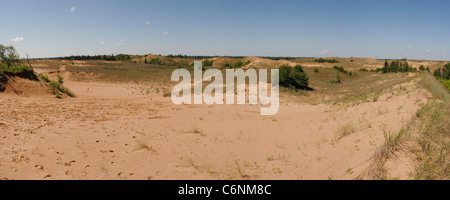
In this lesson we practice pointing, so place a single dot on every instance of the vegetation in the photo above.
(58, 89)
(316, 70)
(397, 66)
(207, 63)
(444, 75)
(294, 77)
(155, 61)
(238, 64)
(321, 60)
(112, 57)
(341, 69)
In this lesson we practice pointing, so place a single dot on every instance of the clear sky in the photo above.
(365, 28)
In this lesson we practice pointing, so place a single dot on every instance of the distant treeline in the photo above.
(112, 57)
(125, 57)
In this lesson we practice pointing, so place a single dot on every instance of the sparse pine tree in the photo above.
(386, 67)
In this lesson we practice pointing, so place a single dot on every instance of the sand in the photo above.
(110, 131)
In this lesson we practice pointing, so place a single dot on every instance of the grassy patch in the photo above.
(426, 136)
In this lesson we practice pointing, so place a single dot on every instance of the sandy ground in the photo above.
(111, 132)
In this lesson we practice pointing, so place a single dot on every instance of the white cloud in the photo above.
(409, 47)
(427, 51)
(102, 43)
(17, 39)
(147, 22)
(71, 10)
(325, 52)
(201, 30)
(165, 33)
(443, 52)
(122, 43)
(406, 53)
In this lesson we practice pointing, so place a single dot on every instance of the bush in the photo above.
(422, 68)
(17, 69)
(341, 69)
(208, 63)
(46, 79)
(155, 61)
(293, 77)
(316, 70)
(363, 70)
(446, 83)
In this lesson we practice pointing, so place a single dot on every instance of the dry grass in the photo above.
(427, 137)
(346, 130)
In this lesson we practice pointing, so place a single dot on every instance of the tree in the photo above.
(386, 67)
(293, 77)
(437, 73)
(422, 68)
(446, 72)
(9, 56)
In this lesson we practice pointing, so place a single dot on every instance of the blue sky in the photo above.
(343, 28)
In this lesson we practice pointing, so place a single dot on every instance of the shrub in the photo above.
(422, 68)
(46, 79)
(446, 83)
(60, 79)
(363, 70)
(155, 61)
(316, 70)
(208, 63)
(293, 77)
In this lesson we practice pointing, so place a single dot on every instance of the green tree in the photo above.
(9, 56)
(422, 68)
(436, 73)
(293, 77)
(386, 67)
(446, 72)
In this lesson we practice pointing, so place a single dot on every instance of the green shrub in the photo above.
(46, 79)
(422, 68)
(208, 63)
(155, 61)
(446, 83)
(316, 70)
(293, 77)
(17, 69)
(363, 70)
(60, 79)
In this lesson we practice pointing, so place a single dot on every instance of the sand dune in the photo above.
(110, 131)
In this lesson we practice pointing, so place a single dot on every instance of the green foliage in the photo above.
(321, 60)
(293, 77)
(363, 70)
(238, 64)
(341, 69)
(46, 79)
(316, 70)
(57, 88)
(422, 68)
(398, 66)
(60, 79)
(446, 83)
(155, 61)
(8, 56)
(208, 63)
(16, 69)
(446, 72)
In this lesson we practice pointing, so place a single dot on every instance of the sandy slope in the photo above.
(110, 132)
